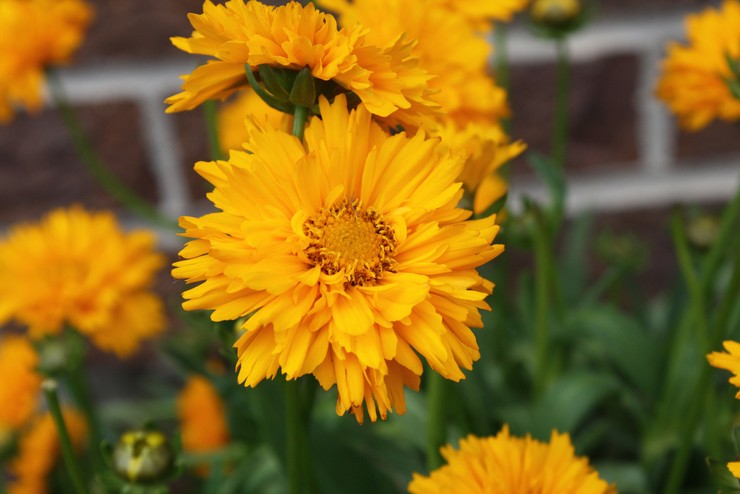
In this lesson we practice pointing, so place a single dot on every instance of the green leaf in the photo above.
(629, 478)
(276, 81)
(554, 178)
(303, 92)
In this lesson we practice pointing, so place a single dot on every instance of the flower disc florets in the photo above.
(351, 239)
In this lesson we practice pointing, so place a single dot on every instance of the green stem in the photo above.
(542, 307)
(95, 166)
(696, 293)
(562, 96)
(437, 419)
(296, 435)
(210, 111)
(727, 229)
(299, 120)
(70, 461)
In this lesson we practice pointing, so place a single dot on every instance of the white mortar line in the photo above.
(702, 183)
(164, 151)
(599, 38)
(656, 132)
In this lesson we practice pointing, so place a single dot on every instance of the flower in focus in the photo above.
(452, 50)
(19, 390)
(38, 451)
(35, 34)
(202, 416)
(698, 78)
(356, 313)
(233, 124)
(503, 463)
(486, 148)
(78, 268)
(385, 77)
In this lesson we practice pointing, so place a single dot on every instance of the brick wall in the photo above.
(626, 155)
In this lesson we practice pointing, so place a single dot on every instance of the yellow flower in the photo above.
(35, 34)
(734, 468)
(352, 313)
(202, 416)
(385, 77)
(38, 451)
(729, 361)
(234, 124)
(505, 464)
(18, 395)
(486, 148)
(486, 10)
(696, 77)
(454, 52)
(78, 268)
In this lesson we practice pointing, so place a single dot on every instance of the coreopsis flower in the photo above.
(202, 416)
(384, 77)
(235, 117)
(701, 80)
(38, 451)
(486, 148)
(507, 464)
(35, 34)
(78, 268)
(448, 46)
(19, 391)
(348, 252)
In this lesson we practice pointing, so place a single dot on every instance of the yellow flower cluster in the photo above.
(78, 268)
(385, 77)
(350, 255)
(696, 78)
(472, 104)
(504, 464)
(34, 35)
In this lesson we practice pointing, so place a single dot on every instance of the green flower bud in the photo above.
(142, 456)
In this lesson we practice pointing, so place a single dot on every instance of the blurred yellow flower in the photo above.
(696, 78)
(202, 416)
(449, 47)
(38, 451)
(235, 119)
(354, 314)
(35, 34)
(78, 268)
(385, 77)
(19, 391)
(486, 148)
(486, 10)
(506, 464)
(555, 12)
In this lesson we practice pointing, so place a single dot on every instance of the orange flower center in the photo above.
(349, 238)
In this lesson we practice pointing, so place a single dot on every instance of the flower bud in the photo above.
(142, 456)
(555, 13)
(702, 231)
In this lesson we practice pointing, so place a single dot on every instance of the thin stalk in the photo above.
(728, 227)
(562, 98)
(210, 112)
(296, 435)
(299, 120)
(542, 307)
(92, 161)
(70, 461)
(437, 419)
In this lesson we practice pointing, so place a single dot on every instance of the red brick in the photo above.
(718, 139)
(40, 169)
(602, 113)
